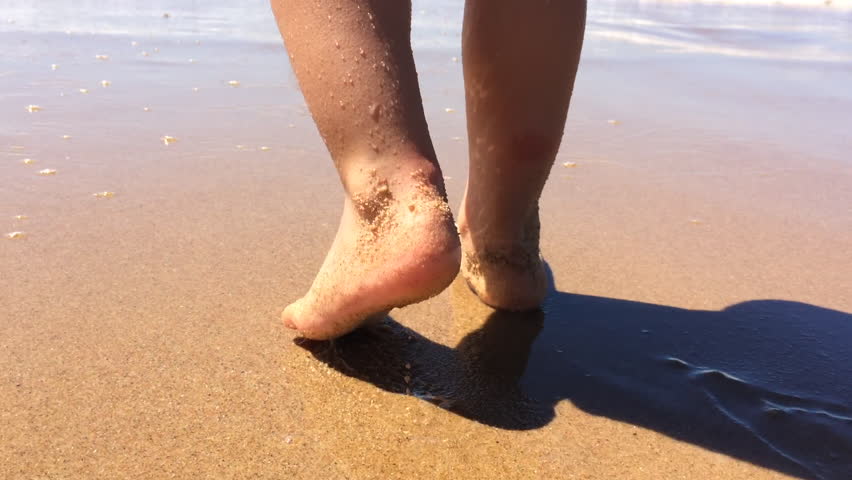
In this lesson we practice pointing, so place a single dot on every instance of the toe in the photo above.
(288, 316)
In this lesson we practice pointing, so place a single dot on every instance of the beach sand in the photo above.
(699, 245)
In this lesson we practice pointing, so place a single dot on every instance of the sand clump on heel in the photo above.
(374, 209)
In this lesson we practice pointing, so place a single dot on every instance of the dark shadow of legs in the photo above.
(766, 381)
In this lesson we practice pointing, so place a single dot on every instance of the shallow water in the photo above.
(796, 30)
(788, 60)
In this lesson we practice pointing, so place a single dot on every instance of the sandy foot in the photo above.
(396, 245)
(505, 270)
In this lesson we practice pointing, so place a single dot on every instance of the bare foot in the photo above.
(396, 245)
(504, 268)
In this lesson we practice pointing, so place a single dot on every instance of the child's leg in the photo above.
(520, 59)
(396, 243)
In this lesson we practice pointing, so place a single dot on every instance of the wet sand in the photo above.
(698, 327)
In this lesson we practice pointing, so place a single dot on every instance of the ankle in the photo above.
(507, 235)
(397, 172)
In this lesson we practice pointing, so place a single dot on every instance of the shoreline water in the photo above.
(803, 30)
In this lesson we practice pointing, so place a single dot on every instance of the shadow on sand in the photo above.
(766, 381)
